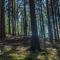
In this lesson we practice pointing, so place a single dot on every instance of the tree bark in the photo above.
(2, 20)
(35, 40)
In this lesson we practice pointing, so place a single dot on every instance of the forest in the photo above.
(29, 29)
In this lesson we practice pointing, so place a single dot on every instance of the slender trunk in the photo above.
(9, 31)
(54, 19)
(13, 19)
(49, 24)
(17, 19)
(57, 34)
(58, 15)
(25, 21)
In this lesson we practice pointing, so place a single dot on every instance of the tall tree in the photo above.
(58, 14)
(35, 40)
(25, 20)
(0, 9)
(2, 20)
(13, 18)
(54, 19)
(49, 22)
(17, 18)
(9, 31)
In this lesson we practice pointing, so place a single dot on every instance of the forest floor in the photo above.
(20, 51)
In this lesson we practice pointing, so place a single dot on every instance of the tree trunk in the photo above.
(25, 20)
(35, 40)
(9, 27)
(54, 19)
(2, 20)
(13, 18)
(49, 23)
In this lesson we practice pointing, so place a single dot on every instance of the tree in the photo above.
(13, 18)
(49, 23)
(2, 20)
(54, 19)
(35, 41)
(9, 19)
(25, 20)
(58, 14)
(17, 18)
